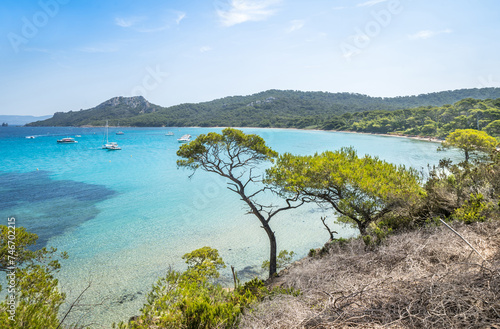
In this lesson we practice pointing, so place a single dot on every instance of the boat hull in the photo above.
(66, 141)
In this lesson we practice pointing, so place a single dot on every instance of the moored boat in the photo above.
(110, 145)
(184, 139)
(67, 140)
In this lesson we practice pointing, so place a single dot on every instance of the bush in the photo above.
(191, 299)
(312, 252)
(283, 259)
(473, 210)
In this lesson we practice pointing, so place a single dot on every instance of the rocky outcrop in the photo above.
(136, 102)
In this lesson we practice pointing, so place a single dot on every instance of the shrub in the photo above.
(283, 259)
(473, 210)
(191, 300)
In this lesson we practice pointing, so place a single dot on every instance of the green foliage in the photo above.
(24, 247)
(117, 110)
(35, 288)
(340, 241)
(312, 252)
(288, 108)
(283, 259)
(473, 210)
(233, 155)
(360, 190)
(493, 128)
(184, 300)
(368, 240)
(189, 300)
(207, 150)
(470, 141)
(378, 234)
(468, 191)
(436, 121)
(255, 287)
(447, 187)
(276, 291)
(204, 263)
(177, 301)
(37, 300)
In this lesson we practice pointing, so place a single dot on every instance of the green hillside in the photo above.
(436, 121)
(272, 108)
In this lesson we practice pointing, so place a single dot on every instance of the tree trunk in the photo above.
(265, 226)
(272, 254)
(362, 228)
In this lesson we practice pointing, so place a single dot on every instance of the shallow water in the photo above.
(125, 216)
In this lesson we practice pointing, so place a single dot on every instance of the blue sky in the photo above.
(61, 55)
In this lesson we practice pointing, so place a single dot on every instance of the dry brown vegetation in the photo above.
(427, 278)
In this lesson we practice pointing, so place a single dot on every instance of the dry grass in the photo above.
(424, 279)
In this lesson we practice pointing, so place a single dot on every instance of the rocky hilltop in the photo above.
(116, 110)
(137, 102)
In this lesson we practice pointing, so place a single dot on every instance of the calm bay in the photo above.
(125, 216)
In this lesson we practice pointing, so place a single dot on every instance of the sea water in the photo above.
(126, 216)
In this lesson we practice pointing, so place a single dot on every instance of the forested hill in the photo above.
(272, 108)
(429, 121)
(114, 109)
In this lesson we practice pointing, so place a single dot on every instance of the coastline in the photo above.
(200, 197)
(420, 138)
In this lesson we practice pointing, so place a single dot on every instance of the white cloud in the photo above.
(180, 17)
(204, 49)
(295, 25)
(127, 22)
(370, 3)
(241, 11)
(426, 34)
(149, 24)
(153, 29)
(98, 49)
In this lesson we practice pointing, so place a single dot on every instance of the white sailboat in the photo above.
(110, 145)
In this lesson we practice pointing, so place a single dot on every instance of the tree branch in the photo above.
(323, 220)
(73, 305)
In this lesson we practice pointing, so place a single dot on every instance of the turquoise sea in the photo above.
(125, 216)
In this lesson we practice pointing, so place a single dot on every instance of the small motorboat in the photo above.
(184, 139)
(30, 137)
(169, 133)
(120, 133)
(67, 140)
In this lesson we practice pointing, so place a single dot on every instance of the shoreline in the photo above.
(420, 138)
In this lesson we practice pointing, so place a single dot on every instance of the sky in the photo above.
(62, 55)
